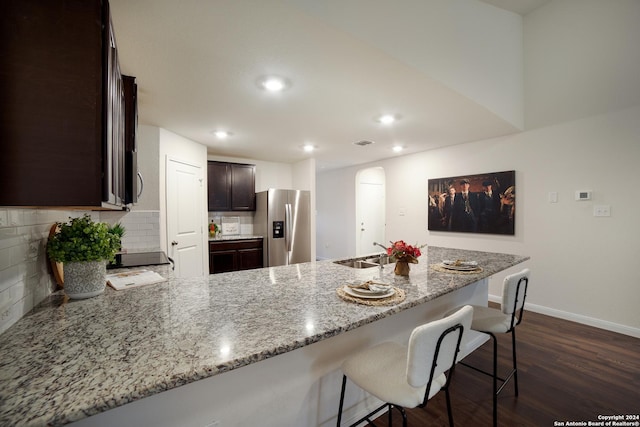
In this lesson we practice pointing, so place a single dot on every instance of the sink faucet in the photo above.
(382, 246)
(383, 258)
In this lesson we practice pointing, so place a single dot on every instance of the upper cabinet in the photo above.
(62, 110)
(231, 186)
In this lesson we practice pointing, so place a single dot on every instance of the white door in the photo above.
(371, 217)
(184, 218)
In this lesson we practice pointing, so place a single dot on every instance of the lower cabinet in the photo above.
(234, 255)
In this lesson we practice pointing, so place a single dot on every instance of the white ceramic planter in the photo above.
(84, 279)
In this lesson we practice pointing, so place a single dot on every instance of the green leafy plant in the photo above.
(82, 239)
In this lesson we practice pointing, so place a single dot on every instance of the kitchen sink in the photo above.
(357, 263)
(379, 259)
(365, 262)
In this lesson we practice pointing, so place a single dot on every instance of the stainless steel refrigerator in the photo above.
(283, 218)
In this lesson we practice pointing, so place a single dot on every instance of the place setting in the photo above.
(371, 292)
(458, 266)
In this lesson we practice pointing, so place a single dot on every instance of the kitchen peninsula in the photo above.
(168, 354)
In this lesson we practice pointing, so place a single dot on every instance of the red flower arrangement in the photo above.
(400, 251)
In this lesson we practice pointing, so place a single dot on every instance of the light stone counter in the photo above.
(67, 360)
(221, 238)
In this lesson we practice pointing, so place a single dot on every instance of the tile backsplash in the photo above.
(25, 277)
(245, 220)
(142, 229)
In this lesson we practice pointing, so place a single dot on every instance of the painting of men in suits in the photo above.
(466, 209)
(482, 203)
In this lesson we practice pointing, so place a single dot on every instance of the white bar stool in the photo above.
(406, 377)
(493, 321)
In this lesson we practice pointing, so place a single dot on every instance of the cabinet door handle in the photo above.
(141, 184)
(174, 243)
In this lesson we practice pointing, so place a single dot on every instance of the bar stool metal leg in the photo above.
(344, 384)
(495, 380)
(515, 365)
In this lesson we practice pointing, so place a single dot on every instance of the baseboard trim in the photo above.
(585, 320)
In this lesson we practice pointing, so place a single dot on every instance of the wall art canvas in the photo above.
(482, 203)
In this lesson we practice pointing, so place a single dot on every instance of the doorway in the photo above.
(370, 210)
(184, 218)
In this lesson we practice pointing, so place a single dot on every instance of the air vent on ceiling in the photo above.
(363, 143)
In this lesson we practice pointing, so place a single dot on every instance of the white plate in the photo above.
(460, 263)
(366, 293)
(459, 267)
(356, 294)
(377, 289)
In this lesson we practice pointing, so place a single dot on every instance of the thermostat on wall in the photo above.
(583, 195)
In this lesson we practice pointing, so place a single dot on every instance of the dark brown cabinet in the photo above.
(219, 186)
(62, 112)
(231, 187)
(234, 255)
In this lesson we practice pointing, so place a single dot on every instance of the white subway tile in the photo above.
(9, 237)
(19, 254)
(6, 255)
(15, 312)
(16, 217)
(23, 238)
(4, 218)
(30, 217)
(9, 277)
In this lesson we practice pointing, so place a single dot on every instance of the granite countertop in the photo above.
(67, 360)
(221, 238)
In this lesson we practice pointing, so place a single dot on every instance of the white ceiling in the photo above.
(198, 61)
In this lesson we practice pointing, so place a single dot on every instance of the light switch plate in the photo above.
(602, 210)
(553, 197)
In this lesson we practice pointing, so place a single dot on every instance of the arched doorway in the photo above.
(370, 210)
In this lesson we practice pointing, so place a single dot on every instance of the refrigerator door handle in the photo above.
(287, 233)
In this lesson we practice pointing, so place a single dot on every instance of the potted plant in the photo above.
(84, 247)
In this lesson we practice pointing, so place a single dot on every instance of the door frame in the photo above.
(381, 207)
(203, 212)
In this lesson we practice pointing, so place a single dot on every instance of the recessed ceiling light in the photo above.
(397, 148)
(387, 119)
(221, 134)
(274, 84)
(308, 148)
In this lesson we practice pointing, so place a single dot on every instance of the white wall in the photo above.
(336, 207)
(582, 266)
(148, 142)
(581, 59)
(304, 178)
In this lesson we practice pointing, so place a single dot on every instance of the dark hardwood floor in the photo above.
(566, 372)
